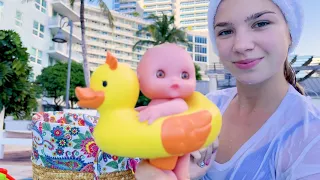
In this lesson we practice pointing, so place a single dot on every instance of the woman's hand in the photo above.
(186, 169)
(201, 160)
(203, 156)
(145, 171)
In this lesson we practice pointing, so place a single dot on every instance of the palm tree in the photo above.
(162, 30)
(106, 13)
(198, 74)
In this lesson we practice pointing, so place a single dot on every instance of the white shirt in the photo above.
(286, 147)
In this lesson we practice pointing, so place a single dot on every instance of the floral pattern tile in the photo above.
(65, 142)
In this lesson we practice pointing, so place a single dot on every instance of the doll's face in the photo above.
(167, 71)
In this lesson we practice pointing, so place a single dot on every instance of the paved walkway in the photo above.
(17, 161)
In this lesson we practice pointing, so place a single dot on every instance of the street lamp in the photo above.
(60, 38)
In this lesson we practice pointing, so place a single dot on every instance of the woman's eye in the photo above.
(160, 74)
(224, 33)
(261, 24)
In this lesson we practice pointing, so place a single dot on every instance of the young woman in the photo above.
(270, 129)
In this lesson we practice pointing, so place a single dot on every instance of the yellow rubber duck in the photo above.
(114, 91)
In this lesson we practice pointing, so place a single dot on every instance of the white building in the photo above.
(157, 7)
(37, 22)
(120, 40)
(192, 14)
(100, 37)
(126, 6)
(189, 14)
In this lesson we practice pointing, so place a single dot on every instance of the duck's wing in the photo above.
(186, 133)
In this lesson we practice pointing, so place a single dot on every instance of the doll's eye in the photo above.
(160, 74)
(185, 75)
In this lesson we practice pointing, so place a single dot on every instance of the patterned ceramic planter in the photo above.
(63, 144)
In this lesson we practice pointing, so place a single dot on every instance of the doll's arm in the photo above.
(174, 106)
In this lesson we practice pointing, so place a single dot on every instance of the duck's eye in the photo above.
(104, 83)
(185, 75)
(160, 74)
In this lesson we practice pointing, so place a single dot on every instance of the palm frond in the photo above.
(152, 17)
(71, 2)
(143, 42)
(172, 20)
(106, 12)
(147, 29)
(163, 30)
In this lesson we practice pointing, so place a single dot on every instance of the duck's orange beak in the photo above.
(89, 98)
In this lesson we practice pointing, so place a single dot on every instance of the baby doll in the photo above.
(166, 75)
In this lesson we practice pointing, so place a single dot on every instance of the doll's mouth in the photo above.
(175, 86)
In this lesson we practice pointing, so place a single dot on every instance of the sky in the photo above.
(310, 39)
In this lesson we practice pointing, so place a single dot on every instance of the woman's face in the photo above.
(252, 39)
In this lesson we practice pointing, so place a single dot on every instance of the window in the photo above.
(36, 55)
(190, 38)
(18, 20)
(54, 14)
(201, 49)
(200, 58)
(38, 29)
(31, 77)
(41, 5)
(190, 48)
(202, 40)
(51, 61)
(187, 9)
(187, 15)
(1, 9)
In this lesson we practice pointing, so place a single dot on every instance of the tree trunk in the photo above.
(86, 70)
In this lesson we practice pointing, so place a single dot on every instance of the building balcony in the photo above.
(125, 10)
(163, 8)
(196, 5)
(128, 5)
(158, 2)
(63, 7)
(54, 26)
(61, 52)
(96, 61)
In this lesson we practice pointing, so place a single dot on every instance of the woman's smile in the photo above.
(248, 63)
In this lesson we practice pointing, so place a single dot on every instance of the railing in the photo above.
(55, 22)
(63, 49)
(216, 66)
(64, 1)
(67, 3)
(131, 4)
